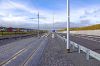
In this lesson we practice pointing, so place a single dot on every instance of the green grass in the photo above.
(20, 33)
(13, 33)
(92, 27)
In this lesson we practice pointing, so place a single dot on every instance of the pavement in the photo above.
(55, 54)
(9, 39)
(23, 52)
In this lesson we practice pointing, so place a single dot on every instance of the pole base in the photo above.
(68, 50)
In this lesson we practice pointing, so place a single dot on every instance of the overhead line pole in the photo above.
(38, 23)
(68, 25)
(53, 22)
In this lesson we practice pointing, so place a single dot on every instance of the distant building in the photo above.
(11, 29)
(3, 29)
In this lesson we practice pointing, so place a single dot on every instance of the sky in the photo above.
(87, 11)
(19, 13)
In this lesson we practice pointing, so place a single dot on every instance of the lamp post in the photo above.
(68, 25)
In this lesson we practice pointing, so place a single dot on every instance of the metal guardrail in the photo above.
(88, 52)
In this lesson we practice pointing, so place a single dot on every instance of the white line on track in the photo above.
(13, 57)
(33, 53)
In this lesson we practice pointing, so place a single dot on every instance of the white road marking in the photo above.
(33, 53)
(10, 59)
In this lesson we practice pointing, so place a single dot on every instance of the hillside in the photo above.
(92, 27)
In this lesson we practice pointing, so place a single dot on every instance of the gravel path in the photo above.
(55, 54)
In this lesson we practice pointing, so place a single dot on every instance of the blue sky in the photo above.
(85, 11)
(84, 3)
(17, 13)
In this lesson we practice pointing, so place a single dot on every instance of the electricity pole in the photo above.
(53, 30)
(53, 22)
(68, 25)
(38, 23)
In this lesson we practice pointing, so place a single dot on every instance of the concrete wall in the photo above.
(87, 32)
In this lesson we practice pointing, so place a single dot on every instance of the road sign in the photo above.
(53, 30)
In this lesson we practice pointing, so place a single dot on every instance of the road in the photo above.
(45, 51)
(89, 41)
(24, 52)
(8, 39)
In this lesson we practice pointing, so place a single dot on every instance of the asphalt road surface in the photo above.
(89, 41)
(9, 39)
(43, 51)
(24, 52)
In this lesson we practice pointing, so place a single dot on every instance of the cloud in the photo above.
(92, 16)
(18, 14)
(89, 14)
(10, 5)
(14, 14)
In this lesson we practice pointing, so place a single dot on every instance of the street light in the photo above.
(68, 25)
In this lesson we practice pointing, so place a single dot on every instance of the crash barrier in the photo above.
(80, 48)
